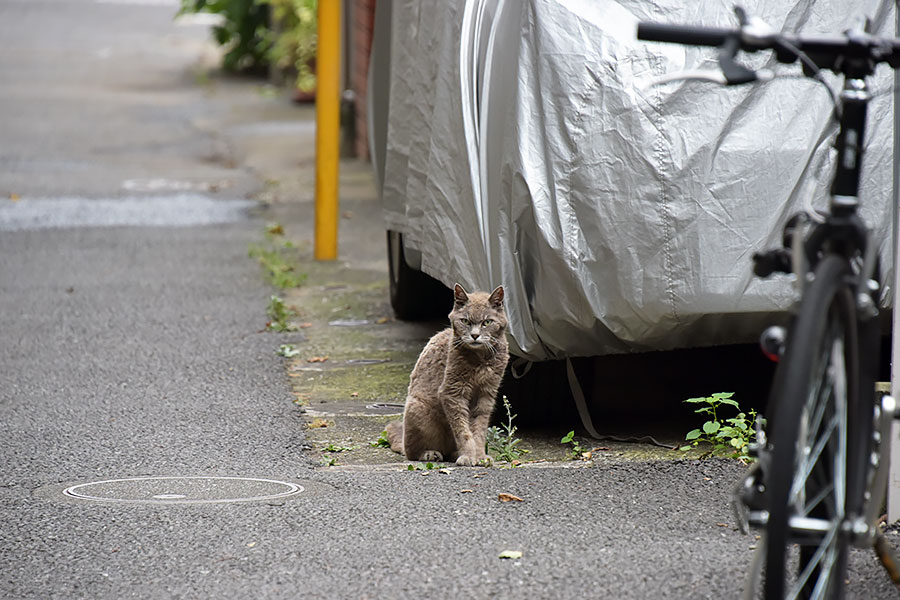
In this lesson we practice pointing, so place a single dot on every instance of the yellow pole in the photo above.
(328, 101)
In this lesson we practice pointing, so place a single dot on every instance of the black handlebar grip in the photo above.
(683, 34)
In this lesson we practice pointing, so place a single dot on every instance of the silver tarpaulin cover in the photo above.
(526, 146)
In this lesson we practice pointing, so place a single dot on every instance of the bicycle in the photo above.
(820, 475)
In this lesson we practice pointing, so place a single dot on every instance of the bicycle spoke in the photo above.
(826, 551)
(823, 494)
(809, 462)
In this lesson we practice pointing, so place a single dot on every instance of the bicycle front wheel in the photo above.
(818, 429)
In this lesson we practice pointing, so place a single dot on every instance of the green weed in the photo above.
(577, 451)
(278, 258)
(288, 351)
(381, 442)
(279, 315)
(420, 467)
(728, 437)
(331, 447)
(502, 441)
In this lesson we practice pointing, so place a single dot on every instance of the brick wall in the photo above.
(362, 20)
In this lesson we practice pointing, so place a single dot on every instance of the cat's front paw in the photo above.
(432, 456)
(466, 460)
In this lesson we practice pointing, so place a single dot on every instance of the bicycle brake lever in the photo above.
(734, 72)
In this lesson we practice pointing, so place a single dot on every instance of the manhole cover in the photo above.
(183, 490)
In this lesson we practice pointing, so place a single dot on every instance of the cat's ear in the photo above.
(460, 297)
(496, 298)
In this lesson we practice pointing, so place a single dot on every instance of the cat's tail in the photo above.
(394, 431)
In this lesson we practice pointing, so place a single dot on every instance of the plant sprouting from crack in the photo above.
(577, 451)
(420, 467)
(728, 437)
(381, 442)
(278, 258)
(332, 447)
(502, 441)
(288, 351)
(279, 315)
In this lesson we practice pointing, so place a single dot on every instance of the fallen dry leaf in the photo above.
(305, 325)
(504, 497)
(512, 554)
(466, 491)
(383, 320)
(354, 395)
(318, 423)
(316, 359)
(14, 197)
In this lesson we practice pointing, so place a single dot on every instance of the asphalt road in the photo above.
(131, 346)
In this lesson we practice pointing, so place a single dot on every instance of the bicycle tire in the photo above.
(816, 409)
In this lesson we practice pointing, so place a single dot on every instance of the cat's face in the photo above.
(478, 319)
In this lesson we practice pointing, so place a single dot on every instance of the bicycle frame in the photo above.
(835, 266)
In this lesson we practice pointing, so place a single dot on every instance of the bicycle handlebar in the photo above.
(854, 54)
(683, 34)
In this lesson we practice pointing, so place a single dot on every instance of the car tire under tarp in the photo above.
(415, 295)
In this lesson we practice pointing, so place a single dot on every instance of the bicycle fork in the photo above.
(749, 495)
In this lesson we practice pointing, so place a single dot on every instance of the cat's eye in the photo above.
(487, 322)
(465, 322)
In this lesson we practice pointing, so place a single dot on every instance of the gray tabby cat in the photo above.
(454, 384)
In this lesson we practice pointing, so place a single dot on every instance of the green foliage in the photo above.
(288, 351)
(244, 32)
(577, 450)
(331, 447)
(294, 45)
(278, 257)
(728, 437)
(381, 442)
(502, 441)
(420, 467)
(279, 315)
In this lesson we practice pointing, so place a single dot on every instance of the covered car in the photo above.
(520, 142)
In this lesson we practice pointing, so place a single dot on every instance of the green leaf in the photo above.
(288, 351)
(710, 427)
(737, 443)
(568, 437)
(722, 395)
(697, 400)
(693, 434)
(729, 402)
(685, 448)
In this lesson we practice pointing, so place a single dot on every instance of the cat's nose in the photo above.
(475, 335)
